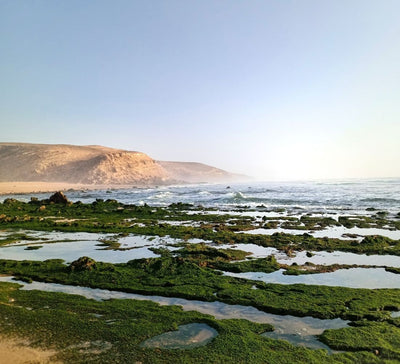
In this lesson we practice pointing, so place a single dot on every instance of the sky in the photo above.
(278, 90)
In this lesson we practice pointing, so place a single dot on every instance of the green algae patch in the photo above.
(231, 260)
(310, 268)
(34, 247)
(379, 220)
(17, 237)
(111, 216)
(82, 330)
(381, 338)
(201, 251)
(177, 277)
(266, 265)
(393, 270)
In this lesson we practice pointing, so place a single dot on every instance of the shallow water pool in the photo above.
(186, 337)
(297, 330)
(352, 278)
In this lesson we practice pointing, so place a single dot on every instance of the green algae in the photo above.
(393, 270)
(378, 220)
(63, 322)
(381, 338)
(111, 216)
(178, 277)
(310, 268)
(34, 247)
(17, 237)
(223, 259)
(118, 327)
(191, 272)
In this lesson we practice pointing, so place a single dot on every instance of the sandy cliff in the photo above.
(198, 172)
(77, 164)
(22, 162)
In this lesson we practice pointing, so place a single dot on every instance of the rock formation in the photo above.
(82, 264)
(59, 197)
(22, 162)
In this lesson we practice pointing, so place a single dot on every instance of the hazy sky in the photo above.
(274, 89)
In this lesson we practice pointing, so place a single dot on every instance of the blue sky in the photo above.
(274, 89)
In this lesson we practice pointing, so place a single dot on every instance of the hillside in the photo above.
(77, 164)
(98, 165)
(198, 172)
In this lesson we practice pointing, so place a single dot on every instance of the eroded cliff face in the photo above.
(21, 162)
(124, 168)
(77, 164)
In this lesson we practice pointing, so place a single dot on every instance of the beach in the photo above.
(7, 188)
(278, 269)
(19, 351)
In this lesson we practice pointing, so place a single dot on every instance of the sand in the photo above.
(17, 352)
(7, 188)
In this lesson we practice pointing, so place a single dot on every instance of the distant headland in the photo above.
(28, 167)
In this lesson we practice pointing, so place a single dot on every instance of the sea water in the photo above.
(350, 196)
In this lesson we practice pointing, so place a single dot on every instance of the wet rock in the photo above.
(59, 197)
(352, 236)
(34, 200)
(10, 201)
(289, 251)
(82, 264)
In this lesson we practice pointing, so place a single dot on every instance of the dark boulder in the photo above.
(59, 197)
(82, 264)
(10, 201)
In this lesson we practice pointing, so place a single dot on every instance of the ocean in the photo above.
(350, 196)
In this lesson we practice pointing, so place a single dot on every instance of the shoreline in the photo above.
(14, 349)
(12, 188)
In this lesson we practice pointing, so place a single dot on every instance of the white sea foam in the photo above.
(321, 197)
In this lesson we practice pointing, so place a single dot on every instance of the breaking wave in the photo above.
(308, 195)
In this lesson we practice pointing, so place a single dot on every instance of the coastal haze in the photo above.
(98, 165)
